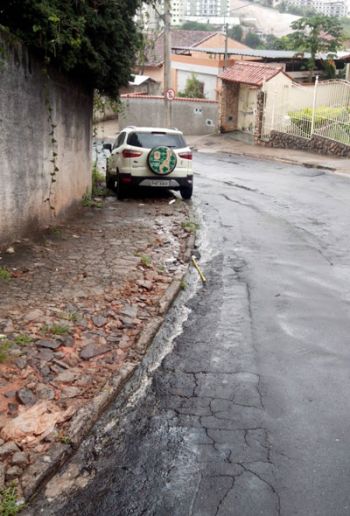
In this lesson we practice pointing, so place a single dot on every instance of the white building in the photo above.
(151, 19)
(327, 7)
(207, 7)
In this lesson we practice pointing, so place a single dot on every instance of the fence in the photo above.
(321, 109)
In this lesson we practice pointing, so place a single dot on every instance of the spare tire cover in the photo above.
(162, 160)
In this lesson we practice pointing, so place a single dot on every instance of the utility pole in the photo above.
(167, 71)
(226, 36)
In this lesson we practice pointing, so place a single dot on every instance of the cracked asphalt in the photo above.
(242, 406)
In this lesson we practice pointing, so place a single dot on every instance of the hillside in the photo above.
(268, 20)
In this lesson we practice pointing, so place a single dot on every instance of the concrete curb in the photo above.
(273, 158)
(83, 421)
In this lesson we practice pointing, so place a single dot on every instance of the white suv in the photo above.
(150, 157)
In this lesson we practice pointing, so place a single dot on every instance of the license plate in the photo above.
(160, 182)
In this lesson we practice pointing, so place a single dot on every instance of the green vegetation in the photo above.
(183, 284)
(55, 329)
(94, 41)
(146, 260)
(235, 32)
(63, 438)
(193, 25)
(4, 274)
(5, 345)
(193, 89)
(345, 22)
(9, 505)
(98, 183)
(190, 226)
(324, 116)
(22, 340)
(316, 34)
(88, 202)
(71, 316)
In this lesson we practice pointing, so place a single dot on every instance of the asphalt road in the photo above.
(243, 406)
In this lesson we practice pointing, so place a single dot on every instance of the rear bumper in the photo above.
(174, 183)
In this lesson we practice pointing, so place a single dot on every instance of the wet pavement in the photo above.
(241, 407)
(73, 307)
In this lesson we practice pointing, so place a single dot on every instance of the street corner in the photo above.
(78, 309)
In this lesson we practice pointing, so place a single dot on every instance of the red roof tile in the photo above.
(250, 73)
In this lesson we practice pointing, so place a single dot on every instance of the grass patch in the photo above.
(88, 202)
(190, 226)
(71, 316)
(9, 505)
(55, 329)
(4, 274)
(183, 284)
(55, 231)
(98, 184)
(5, 345)
(145, 260)
(63, 438)
(22, 340)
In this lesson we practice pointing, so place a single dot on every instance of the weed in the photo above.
(9, 506)
(146, 260)
(55, 231)
(71, 316)
(88, 202)
(55, 329)
(22, 340)
(5, 346)
(4, 274)
(183, 284)
(63, 438)
(98, 184)
(190, 226)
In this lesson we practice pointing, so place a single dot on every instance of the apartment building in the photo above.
(336, 8)
(206, 7)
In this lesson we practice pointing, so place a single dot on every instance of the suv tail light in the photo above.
(185, 155)
(131, 153)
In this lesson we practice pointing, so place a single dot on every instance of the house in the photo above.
(240, 85)
(188, 61)
(142, 84)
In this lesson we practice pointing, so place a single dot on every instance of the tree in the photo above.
(193, 25)
(92, 40)
(253, 40)
(193, 89)
(235, 32)
(316, 34)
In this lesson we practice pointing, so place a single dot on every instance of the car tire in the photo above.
(186, 192)
(121, 190)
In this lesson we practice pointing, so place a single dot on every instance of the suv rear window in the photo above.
(149, 140)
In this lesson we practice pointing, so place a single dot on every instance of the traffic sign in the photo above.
(170, 94)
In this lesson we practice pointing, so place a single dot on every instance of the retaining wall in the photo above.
(32, 101)
(317, 144)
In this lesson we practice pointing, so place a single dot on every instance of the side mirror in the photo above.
(107, 146)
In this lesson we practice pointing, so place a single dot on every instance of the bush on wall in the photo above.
(93, 40)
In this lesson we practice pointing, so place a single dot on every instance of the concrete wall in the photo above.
(191, 116)
(26, 97)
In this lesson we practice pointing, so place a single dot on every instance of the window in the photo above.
(149, 140)
(119, 141)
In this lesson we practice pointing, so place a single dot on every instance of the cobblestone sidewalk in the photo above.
(72, 306)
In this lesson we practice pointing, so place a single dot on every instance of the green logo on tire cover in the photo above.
(162, 160)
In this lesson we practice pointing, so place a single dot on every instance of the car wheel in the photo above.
(121, 190)
(186, 192)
